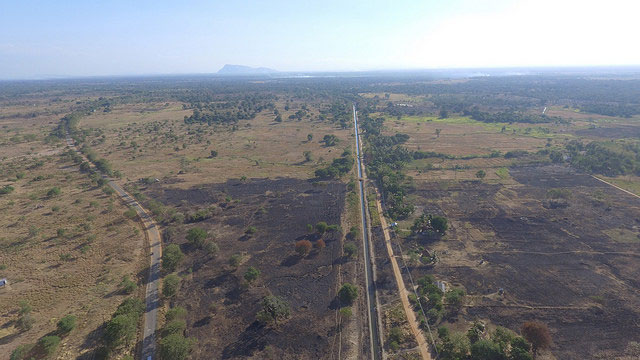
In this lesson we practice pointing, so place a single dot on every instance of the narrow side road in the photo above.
(152, 296)
(374, 328)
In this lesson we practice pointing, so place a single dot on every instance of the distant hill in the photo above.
(229, 69)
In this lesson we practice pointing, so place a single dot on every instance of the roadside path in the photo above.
(615, 186)
(423, 347)
(152, 297)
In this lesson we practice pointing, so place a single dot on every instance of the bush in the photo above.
(235, 260)
(196, 236)
(121, 328)
(21, 351)
(177, 326)
(348, 293)
(25, 322)
(54, 191)
(6, 189)
(175, 347)
(350, 250)
(303, 247)
(130, 213)
(251, 230)
(211, 248)
(321, 227)
(175, 313)
(67, 324)
(251, 274)
(273, 308)
(171, 257)
(49, 344)
(170, 285)
(320, 244)
(128, 286)
(346, 312)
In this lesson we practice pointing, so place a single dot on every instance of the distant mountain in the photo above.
(244, 70)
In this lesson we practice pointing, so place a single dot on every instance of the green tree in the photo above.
(439, 224)
(175, 347)
(213, 154)
(67, 324)
(251, 274)
(350, 250)
(120, 329)
(309, 137)
(486, 350)
(321, 227)
(273, 309)
(348, 293)
(171, 257)
(177, 326)
(196, 236)
(170, 285)
(480, 174)
(49, 344)
(21, 351)
(174, 313)
(454, 299)
(128, 286)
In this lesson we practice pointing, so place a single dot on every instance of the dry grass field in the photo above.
(65, 243)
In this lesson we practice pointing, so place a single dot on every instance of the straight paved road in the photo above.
(374, 329)
(152, 296)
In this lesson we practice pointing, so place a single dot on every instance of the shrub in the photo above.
(235, 260)
(175, 347)
(128, 286)
(130, 213)
(346, 312)
(251, 230)
(67, 324)
(175, 313)
(121, 328)
(211, 248)
(49, 344)
(321, 227)
(273, 308)
(350, 250)
(251, 274)
(170, 285)
(320, 244)
(196, 236)
(21, 351)
(348, 293)
(303, 247)
(6, 189)
(177, 326)
(25, 322)
(54, 191)
(171, 257)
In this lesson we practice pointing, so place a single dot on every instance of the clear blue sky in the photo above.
(84, 38)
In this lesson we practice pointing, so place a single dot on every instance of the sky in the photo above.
(40, 39)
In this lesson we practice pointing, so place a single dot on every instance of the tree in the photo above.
(196, 236)
(307, 156)
(235, 260)
(486, 350)
(439, 224)
(454, 299)
(346, 312)
(49, 344)
(350, 250)
(481, 174)
(67, 324)
(438, 131)
(171, 257)
(251, 274)
(309, 137)
(273, 309)
(122, 328)
(321, 227)
(25, 322)
(348, 293)
(175, 347)
(303, 247)
(177, 326)
(170, 285)
(21, 351)
(175, 313)
(127, 285)
(213, 154)
(320, 244)
(537, 334)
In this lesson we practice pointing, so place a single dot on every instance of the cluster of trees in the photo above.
(610, 158)
(434, 302)
(612, 109)
(173, 345)
(386, 158)
(216, 117)
(479, 344)
(430, 225)
(123, 326)
(337, 113)
(337, 168)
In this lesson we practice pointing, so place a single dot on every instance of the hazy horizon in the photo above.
(78, 39)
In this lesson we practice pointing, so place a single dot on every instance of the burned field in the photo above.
(562, 246)
(260, 220)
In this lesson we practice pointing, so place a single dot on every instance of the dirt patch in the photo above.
(221, 310)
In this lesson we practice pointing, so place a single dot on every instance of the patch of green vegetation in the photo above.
(503, 173)
(622, 235)
(373, 210)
